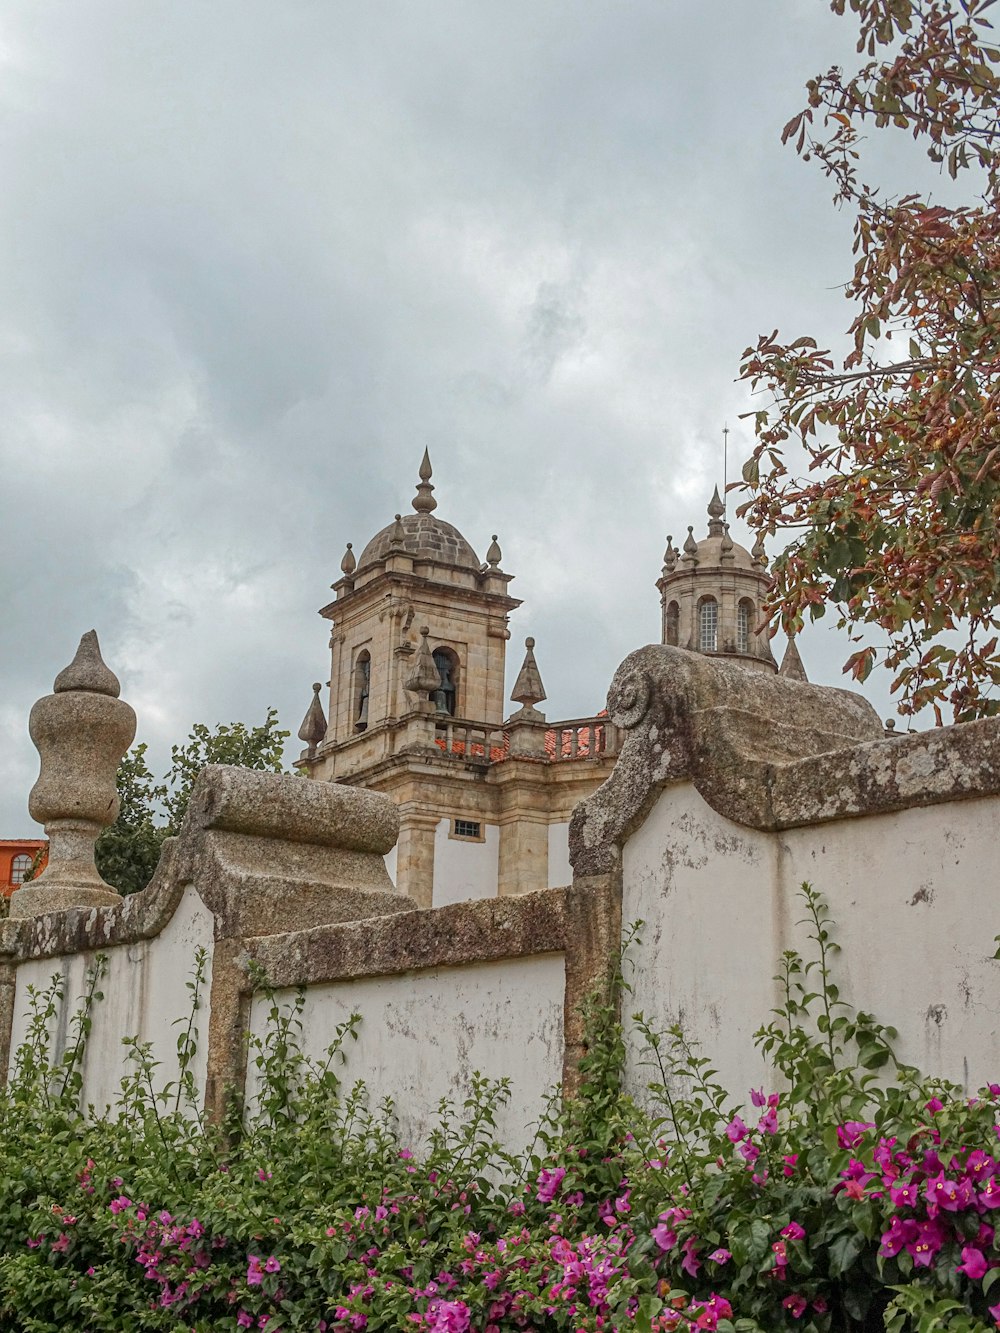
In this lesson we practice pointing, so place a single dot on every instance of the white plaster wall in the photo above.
(913, 896)
(464, 870)
(390, 862)
(144, 991)
(423, 1034)
(560, 870)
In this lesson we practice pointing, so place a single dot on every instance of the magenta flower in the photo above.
(736, 1130)
(255, 1274)
(664, 1237)
(850, 1134)
(549, 1183)
(244, 1320)
(690, 1263)
(794, 1231)
(905, 1196)
(720, 1256)
(902, 1232)
(990, 1196)
(750, 1151)
(272, 1265)
(790, 1161)
(768, 1123)
(929, 1239)
(973, 1264)
(757, 1096)
(796, 1305)
(934, 1105)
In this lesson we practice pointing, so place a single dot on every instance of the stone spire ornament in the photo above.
(494, 555)
(81, 731)
(398, 535)
(716, 514)
(349, 563)
(528, 688)
(423, 502)
(758, 554)
(669, 557)
(726, 550)
(690, 547)
(425, 677)
(792, 667)
(313, 729)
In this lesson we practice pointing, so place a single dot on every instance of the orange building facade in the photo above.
(16, 857)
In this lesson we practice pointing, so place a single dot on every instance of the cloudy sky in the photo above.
(254, 257)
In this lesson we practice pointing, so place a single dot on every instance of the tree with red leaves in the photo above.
(896, 519)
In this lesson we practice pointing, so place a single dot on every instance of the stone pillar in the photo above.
(81, 732)
(415, 856)
(524, 853)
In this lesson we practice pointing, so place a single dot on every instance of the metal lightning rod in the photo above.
(725, 468)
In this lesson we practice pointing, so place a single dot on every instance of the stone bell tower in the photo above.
(711, 593)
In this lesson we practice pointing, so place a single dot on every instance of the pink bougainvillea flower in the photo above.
(750, 1151)
(790, 1161)
(851, 1132)
(902, 1231)
(736, 1130)
(272, 1265)
(690, 1263)
(757, 1096)
(549, 1183)
(720, 1256)
(906, 1195)
(664, 1237)
(244, 1320)
(929, 1239)
(255, 1274)
(989, 1196)
(973, 1263)
(796, 1305)
(768, 1123)
(934, 1105)
(794, 1231)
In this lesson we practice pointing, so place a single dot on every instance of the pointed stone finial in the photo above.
(690, 547)
(81, 731)
(758, 554)
(87, 671)
(349, 563)
(727, 555)
(494, 555)
(669, 556)
(528, 688)
(423, 502)
(791, 664)
(398, 536)
(313, 729)
(425, 676)
(716, 513)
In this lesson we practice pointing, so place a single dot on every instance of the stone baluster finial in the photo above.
(726, 549)
(716, 514)
(669, 557)
(528, 688)
(313, 729)
(423, 502)
(425, 677)
(81, 731)
(349, 563)
(758, 554)
(690, 547)
(494, 555)
(398, 535)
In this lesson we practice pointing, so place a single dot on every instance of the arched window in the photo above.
(673, 624)
(19, 868)
(708, 625)
(744, 625)
(445, 697)
(362, 688)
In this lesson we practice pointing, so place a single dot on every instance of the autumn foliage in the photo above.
(895, 519)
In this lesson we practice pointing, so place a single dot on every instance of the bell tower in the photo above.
(711, 593)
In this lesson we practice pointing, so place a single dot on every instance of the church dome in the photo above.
(710, 551)
(425, 538)
(422, 535)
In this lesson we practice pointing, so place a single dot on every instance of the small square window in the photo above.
(466, 828)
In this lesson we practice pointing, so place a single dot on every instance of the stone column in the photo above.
(81, 732)
(415, 856)
(524, 852)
